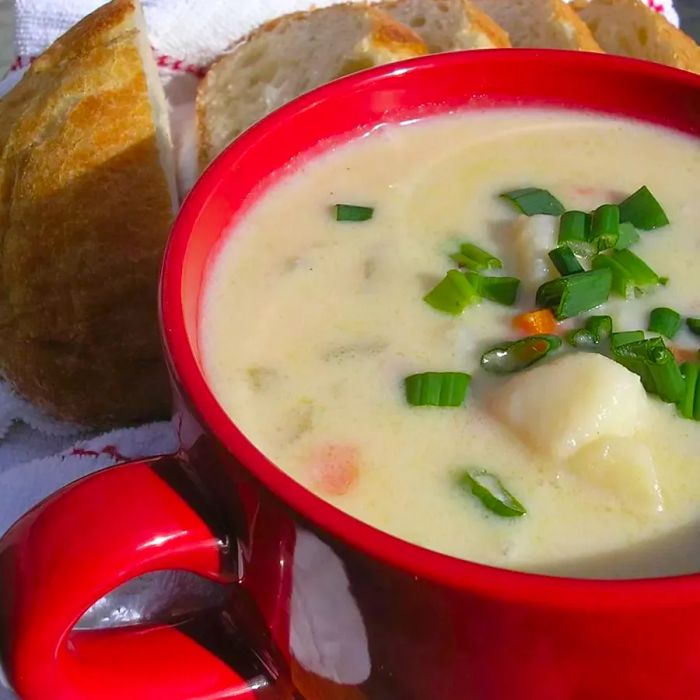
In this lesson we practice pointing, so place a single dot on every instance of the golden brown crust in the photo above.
(665, 43)
(496, 34)
(388, 36)
(585, 41)
(84, 213)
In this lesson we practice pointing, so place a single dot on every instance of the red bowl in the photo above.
(329, 606)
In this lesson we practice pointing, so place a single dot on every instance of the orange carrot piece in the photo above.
(684, 354)
(536, 322)
(334, 468)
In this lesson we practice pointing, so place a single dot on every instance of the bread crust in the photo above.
(496, 34)
(85, 209)
(387, 36)
(682, 51)
(565, 14)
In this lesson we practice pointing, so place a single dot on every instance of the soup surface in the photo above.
(310, 325)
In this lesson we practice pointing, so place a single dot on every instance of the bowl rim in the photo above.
(442, 569)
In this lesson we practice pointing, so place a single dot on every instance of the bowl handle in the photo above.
(76, 547)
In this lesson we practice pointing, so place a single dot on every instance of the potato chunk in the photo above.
(622, 467)
(560, 406)
(534, 237)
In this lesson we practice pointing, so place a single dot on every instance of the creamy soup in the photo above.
(310, 326)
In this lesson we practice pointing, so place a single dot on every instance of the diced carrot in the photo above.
(684, 354)
(334, 468)
(536, 322)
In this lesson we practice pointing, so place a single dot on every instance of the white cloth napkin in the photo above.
(37, 454)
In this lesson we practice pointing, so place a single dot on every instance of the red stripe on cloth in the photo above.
(162, 60)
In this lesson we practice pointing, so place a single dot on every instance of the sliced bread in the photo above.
(544, 24)
(87, 195)
(448, 25)
(288, 57)
(631, 28)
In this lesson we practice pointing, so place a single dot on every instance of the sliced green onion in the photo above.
(574, 226)
(641, 273)
(452, 294)
(656, 366)
(533, 200)
(643, 210)
(581, 338)
(565, 261)
(351, 212)
(628, 236)
(628, 270)
(515, 356)
(622, 282)
(491, 492)
(605, 227)
(664, 321)
(437, 388)
(690, 371)
(475, 258)
(595, 331)
(617, 340)
(600, 327)
(571, 295)
(665, 372)
(502, 290)
(693, 325)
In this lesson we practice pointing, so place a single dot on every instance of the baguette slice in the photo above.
(87, 195)
(288, 57)
(542, 24)
(631, 28)
(448, 25)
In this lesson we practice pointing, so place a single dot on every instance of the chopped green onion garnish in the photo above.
(351, 212)
(491, 492)
(475, 258)
(656, 366)
(600, 327)
(532, 200)
(643, 211)
(622, 282)
(596, 330)
(641, 273)
(689, 405)
(565, 261)
(628, 236)
(574, 226)
(605, 227)
(617, 340)
(571, 295)
(502, 290)
(628, 270)
(515, 356)
(452, 294)
(664, 321)
(437, 388)
(581, 338)
(693, 325)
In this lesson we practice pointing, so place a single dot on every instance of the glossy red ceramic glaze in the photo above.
(332, 607)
